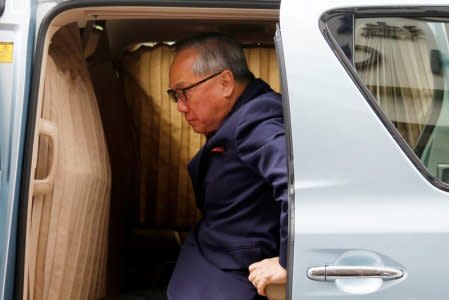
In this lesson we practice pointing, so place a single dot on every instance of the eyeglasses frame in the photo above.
(174, 96)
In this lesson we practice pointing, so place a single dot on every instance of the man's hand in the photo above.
(265, 272)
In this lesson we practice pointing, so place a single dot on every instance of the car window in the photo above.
(403, 62)
(2, 7)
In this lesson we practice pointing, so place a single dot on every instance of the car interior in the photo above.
(110, 200)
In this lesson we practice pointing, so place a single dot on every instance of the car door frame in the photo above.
(43, 26)
(17, 30)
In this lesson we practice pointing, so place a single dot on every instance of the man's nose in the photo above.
(182, 107)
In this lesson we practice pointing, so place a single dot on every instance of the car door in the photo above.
(367, 95)
(16, 28)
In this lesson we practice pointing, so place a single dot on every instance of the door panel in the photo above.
(361, 202)
(15, 58)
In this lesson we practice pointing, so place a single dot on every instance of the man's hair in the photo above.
(217, 52)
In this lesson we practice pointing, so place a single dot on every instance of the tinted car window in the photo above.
(402, 61)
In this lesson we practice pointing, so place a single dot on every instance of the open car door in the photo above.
(368, 99)
(16, 28)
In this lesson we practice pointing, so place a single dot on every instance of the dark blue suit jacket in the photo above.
(240, 181)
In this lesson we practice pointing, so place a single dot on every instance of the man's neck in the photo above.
(238, 91)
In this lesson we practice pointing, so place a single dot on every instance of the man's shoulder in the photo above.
(260, 120)
(256, 111)
(269, 97)
(267, 105)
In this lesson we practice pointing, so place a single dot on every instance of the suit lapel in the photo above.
(196, 176)
(197, 164)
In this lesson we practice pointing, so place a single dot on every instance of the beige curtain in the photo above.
(166, 142)
(121, 141)
(263, 63)
(392, 58)
(67, 235)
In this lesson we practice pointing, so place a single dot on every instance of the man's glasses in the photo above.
(181, 93)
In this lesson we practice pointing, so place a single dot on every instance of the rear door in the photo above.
(369, 108)
(16, 29)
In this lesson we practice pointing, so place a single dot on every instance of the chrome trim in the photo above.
(331, 273)
(317, 273)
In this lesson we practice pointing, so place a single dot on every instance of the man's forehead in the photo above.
(179, 76)
(181, 69)
(186, 57)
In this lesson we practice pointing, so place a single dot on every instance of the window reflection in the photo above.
(402, 61)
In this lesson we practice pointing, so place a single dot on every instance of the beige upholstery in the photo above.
(67, 235)
(121, 139)
(67, 242)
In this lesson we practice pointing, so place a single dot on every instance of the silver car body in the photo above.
(359, 199)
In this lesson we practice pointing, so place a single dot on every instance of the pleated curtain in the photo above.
(393, 59)
(262, 61)
(66, 251)
(166, 143)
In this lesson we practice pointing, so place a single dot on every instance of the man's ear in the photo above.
(227, 83)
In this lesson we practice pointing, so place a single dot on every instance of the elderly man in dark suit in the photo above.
(239, 176)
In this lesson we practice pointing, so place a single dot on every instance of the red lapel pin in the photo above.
(219, 149)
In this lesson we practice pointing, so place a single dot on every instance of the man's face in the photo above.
(205, 105)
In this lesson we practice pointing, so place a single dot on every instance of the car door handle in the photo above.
(331, 273)
(45, 186)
